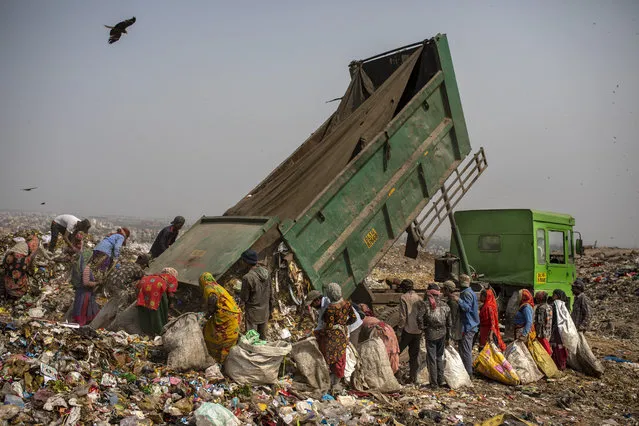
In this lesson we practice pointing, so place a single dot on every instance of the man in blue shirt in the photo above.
(469, 309)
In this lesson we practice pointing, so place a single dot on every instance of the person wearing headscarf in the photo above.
(469, 307)
(155, 297)
(543, 320)
(333, 338)
(374, 327)
(167, 237)
(581, 306)
(223, 325)
(409, 309)
(449, 291)
(559, 352)
(107, 252)
(18, 265)
(524, 326)
(257, 295)
(436, 324)
(84, 280)
(489, 320)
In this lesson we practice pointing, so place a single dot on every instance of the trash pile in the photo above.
(53, 372)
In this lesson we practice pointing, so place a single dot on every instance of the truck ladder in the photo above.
(442, 205)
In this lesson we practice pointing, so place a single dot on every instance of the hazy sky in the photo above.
(202, 99)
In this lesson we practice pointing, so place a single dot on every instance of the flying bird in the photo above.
(30, 189)
(42, 204)
(119, 29)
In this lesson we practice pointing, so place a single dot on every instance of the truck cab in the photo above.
(513, 249)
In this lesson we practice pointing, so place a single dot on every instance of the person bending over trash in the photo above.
(374, 327)
(155, 297)
(436, 324)
(17, 264)
(409, 308)
(68, 226)
(524, 318)
(166, 237)
(333, 338)
(107, 253)
(256, 294)
(223, 326)
(581, 307)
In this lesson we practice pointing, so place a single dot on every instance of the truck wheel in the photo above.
(390, 316)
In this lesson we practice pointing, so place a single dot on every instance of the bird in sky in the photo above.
(42, 204)
(30, 189)
(119, 29)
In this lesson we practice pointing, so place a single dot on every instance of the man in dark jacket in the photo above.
(580, 307)
(166, 237)
(256, 294)
(410, 307)
(449, 290)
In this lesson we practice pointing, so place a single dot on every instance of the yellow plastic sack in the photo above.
(542, 359)
(491, 363)
(504, 419)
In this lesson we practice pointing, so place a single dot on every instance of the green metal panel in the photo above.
(213, 244)
(357, 218)
(513, 263)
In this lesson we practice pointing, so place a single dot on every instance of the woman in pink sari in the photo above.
(374, 327)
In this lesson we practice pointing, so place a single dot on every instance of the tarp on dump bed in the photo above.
(364, 111)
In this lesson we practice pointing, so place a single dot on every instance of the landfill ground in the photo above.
(54, 374)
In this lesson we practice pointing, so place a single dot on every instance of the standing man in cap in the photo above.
(256, 294)
(469, 307)
(580, 307)
(410, 305)
(449, 290)
(166, 237)
(434, 319)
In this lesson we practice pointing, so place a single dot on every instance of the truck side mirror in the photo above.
(580, 247)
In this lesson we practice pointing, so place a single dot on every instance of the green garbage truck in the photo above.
(394, 157)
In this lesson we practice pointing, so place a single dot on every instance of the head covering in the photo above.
(540, 297)
(250, 257)
(125, 232)
(432, 293)
(334, 292)
(490, 313)
(312, 296)
(367, 310)
(464, 281)
(525, 298)
(170, 271)
(206, 278)
(449, 285)
(578, 285)
(179, 220)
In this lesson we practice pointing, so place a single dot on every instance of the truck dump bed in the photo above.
(344, 196)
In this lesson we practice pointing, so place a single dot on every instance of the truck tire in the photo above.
(390, 316)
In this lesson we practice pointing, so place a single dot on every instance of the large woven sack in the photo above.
(184, 341)
(311, 365)
(584, 360)
(522, 361)
(256, 364)
(491, 363)
(567, 329)
(455, 373)
(543, 360)
(374, 372)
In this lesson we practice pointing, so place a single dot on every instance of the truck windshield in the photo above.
(557, 247)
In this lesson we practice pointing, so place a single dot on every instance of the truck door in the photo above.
(558, 265)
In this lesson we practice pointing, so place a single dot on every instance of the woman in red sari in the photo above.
(489, 320)
(333, 338)
(18, 266)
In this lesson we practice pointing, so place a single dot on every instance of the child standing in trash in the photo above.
(333, 338)
(436, 324)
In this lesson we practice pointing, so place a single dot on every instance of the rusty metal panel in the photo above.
(213, 244)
